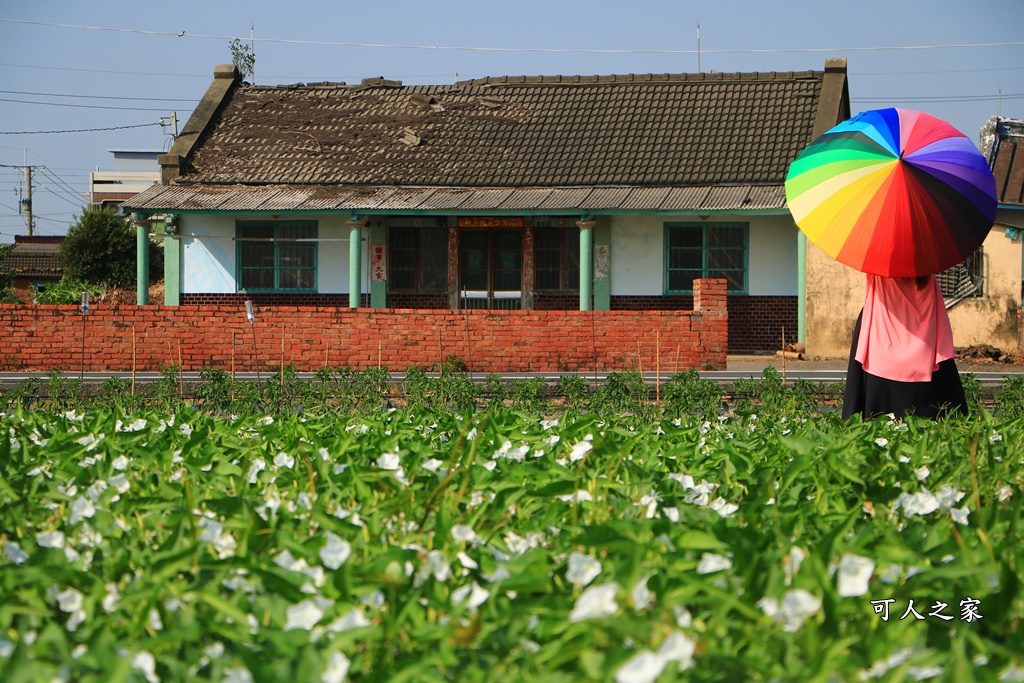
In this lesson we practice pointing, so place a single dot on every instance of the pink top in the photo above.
(904, 329)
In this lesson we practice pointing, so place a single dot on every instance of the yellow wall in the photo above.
(835, 294)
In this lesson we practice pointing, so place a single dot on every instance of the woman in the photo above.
(902, 361)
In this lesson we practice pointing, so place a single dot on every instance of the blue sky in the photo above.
(934, 55)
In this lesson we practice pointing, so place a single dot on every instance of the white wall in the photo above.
(208, 265)
(638, 254)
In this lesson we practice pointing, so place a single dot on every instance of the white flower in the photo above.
(352, 620)
(120, 463)
(922, 472)
(642, 597)
(580, 450)
(920, 673)
(582, 569)
(120, 483)
(723, 507)
(711, 562)
(50, 539)
(948, 497)
(303, 616)
(335, 552)
(213, 532)
(336, 669)
(237, 674)
(792, 562)
(643, 667)
(595, 602)
(475, 594)
(1004, 494)
(69, 600)
(578, 497)
(467, 561)
(920, 503)
(854, 574)
(883, 666)
(90, 441)
(672, 514)
(14, 553)
(438, 565)
(145, 663)
(465, 534)
(284, 460)
(82, 508)
(795, 607)
(155, 622)
(257, 466)
(960, 515)
(882, 442)
(432, 465)
(111, 599)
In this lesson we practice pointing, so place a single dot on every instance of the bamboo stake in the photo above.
(783, 355)
(181, 374)
(233, 366)
(282, 361)
(133, 359)
(380, 353)
(657, 366)
(639, 358)
(678, 348)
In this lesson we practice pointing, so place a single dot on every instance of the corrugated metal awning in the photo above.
(320, 198)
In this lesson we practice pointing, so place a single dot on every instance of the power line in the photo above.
(79, 106)
(96, 97)
(78, 130)
(185, 34)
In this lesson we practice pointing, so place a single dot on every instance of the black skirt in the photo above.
(870, 395)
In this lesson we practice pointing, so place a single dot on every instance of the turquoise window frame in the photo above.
(705, 230)
(278, 227)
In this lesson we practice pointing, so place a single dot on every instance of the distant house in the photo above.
(35, 264)
(983, 295)
(545, 193)
(134, 171)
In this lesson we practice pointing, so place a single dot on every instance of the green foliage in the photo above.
(67, 291)
(621, 392)
(63, 393)
(6, 278)
(243, 57)
(687, 394)
(101, 249)
(266, 547)
(575, 390)
(1009, 398)
(972, 392)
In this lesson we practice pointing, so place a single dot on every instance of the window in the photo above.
(705, 250)
(417, 255)
(964, 280)
(276, 256)
(556, 258)
(491, 267)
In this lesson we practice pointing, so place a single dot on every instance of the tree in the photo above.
(243, 57)
(100, 249)
(6, 279)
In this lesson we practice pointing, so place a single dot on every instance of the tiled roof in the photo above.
(634, 137)
(1008, 160)
(33, 260)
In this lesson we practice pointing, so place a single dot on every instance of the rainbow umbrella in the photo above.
(893, 192)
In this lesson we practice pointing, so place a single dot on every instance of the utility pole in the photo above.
(27, 201)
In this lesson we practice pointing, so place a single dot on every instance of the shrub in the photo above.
(101, 249)
(687, 394)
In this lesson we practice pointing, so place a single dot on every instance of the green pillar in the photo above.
(801, 287)
(172, 269)
(603, 264)
(141, 264)
(586, 263)
(378, 284)
(355, 260)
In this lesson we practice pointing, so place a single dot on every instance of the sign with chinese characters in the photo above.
(490, 221)
(602, 257)
(378, 263)
(968, 610)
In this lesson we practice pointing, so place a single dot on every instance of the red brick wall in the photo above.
(47, 337)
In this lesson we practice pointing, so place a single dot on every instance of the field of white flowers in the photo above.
(417, 545)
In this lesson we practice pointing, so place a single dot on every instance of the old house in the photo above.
(603, 193)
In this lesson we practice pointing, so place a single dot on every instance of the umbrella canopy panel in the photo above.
(893, 192)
